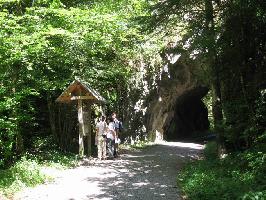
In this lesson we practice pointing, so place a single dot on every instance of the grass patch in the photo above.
(237, 176)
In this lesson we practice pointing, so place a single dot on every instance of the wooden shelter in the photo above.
(80, 91)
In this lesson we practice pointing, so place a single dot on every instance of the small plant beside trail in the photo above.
(138, 145)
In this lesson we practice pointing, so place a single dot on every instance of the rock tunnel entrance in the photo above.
(190, 118)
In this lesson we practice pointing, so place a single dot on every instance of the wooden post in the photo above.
(81, 127)
(89, 130)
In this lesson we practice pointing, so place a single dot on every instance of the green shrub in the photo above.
(238, 176)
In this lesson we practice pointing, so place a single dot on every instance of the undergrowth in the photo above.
(28, 171)
(237, 176)
(25, 173)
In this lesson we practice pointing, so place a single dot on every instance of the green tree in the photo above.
(44, 45)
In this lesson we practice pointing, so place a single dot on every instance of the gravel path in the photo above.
(146, 174)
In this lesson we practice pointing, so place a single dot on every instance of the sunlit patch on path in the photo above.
(146, 174)
(183, 144)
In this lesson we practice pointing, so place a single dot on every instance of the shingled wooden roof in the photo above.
(80, 90)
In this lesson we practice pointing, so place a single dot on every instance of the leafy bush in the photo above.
(238, 176)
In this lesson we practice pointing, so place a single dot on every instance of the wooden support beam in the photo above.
(81, 128)
(89, 130)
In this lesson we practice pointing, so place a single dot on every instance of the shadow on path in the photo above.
(147, 174)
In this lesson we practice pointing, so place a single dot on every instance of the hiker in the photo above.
(101, 131)
(110, 138)
(118, 129)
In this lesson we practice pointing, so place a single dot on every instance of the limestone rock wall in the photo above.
(178, 84)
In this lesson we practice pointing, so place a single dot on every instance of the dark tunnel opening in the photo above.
(190, 119)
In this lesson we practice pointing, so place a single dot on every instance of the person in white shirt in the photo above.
(111, 138)
(101, 131)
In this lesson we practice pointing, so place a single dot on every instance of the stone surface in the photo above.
(177, 110)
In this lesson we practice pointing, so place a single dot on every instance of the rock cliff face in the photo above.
(176, 111)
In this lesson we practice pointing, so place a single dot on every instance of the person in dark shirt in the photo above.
(118, 128)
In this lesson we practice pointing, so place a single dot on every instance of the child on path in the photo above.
(111, 138)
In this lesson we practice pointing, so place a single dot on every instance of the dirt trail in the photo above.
(146, 174)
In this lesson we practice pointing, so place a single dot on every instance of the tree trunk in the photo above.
(52, 119)
(215, 79)
(19, 142)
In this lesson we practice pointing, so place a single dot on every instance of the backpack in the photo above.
(120, 126)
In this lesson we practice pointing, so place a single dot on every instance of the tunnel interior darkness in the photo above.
(190, 119)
